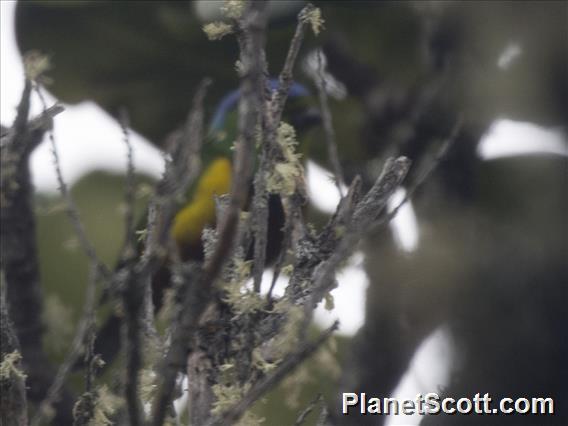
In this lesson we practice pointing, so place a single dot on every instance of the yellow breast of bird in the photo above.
(200, 211)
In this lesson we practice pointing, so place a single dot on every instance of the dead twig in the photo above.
(129, 189)
(431, 166)
(184, 168)
(18, 251)
(196, 300)
(364, 217)
(80, 342)
(70, 206)
(271, 152)
(327, 119)
(306, 412)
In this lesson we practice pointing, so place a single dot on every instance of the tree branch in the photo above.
(85, 326)
(179, 173)
(271, 152)
(198, 296)
(328, 125)
(19, 257)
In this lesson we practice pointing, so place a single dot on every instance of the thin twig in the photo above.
(287, 232)
(252, 40)
(271, 117)
(130, 187)
(364, 217)
(285, 78)
(70, 206)
(77, 347)
(18, 251)
(306, 412)
(23, 110)
(432, 165)
(328, 125)
(181, 169)
(290, 362)
(323, 418)
(133, 298)
(92, 360)
(201, 291)
(184, 168)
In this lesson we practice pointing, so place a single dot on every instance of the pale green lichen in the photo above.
(35, 65)
(286, 137)
(83, 408)
(166, 314)
(242, 300)
(226, 396)
(106, 405)
(287, 270)
(98, 362)
(227, 372)
(233, 9)
(144, 190)
(250, 419)
(141, 235)
(9, 367)
(260, 363)
(285, 178)
(286, 174)
(339, 231)
(315, 19)
(152, 357)
(97, 408)
(217, 30)
(241, 270)
(287, 339)
(228, 366)
(148, 384)
(267, 356)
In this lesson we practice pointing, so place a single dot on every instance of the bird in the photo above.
(147, 61)
(215, 180)
(198, 212)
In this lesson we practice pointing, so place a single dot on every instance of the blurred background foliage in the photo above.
(492, 257)
(100, 200)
